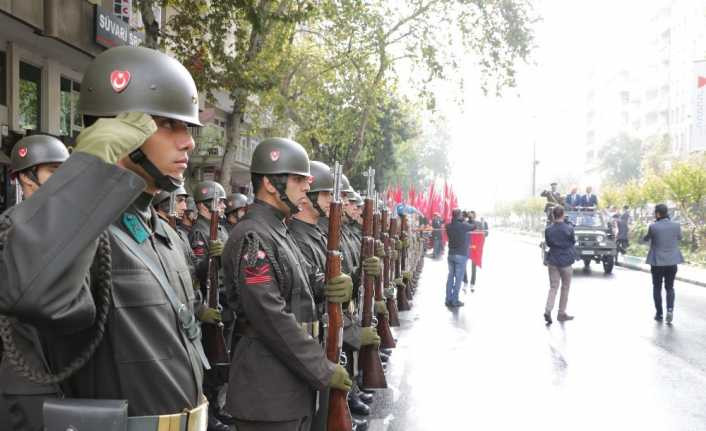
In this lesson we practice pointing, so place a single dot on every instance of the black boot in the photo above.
(360, 424)
(356, 406)
(216, 425)
(366, 397)
(224, 417)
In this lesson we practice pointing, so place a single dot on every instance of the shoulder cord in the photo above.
(102, 266)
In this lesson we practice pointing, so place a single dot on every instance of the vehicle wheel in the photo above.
(608, 263)
(587, 262)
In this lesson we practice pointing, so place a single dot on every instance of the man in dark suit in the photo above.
(589, 199)
(573, 199)
(664, 256)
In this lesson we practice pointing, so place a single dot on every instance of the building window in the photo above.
(71, 121)
(30, 96)
(3, 79)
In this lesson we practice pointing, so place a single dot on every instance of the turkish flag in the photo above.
(475, 251)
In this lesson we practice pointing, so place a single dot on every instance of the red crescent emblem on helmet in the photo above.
(204, 190)
(22, 151)
(274, 155)
(119, 79)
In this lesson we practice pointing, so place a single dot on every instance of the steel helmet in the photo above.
(279, 156)
(207, 190)
(163, 196)
(322, 177)
(190, 204)
(135, 79)
(34, 150)
(235, 202)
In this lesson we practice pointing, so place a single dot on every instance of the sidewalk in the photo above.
(686, 273)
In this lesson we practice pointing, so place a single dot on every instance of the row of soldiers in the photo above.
(106, 294)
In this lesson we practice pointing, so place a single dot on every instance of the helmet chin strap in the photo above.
(314, 198)
(280, 184)
(163, 182)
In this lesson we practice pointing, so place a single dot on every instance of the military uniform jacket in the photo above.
(52, 239)
(277, 366)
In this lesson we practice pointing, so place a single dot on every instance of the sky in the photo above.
(493, 137)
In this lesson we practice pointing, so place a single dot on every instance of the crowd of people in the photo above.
(118, 282)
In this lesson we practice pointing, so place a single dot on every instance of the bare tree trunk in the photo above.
(231, 150)
(151, 24)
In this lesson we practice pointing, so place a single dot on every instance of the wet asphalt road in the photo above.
(495, 365)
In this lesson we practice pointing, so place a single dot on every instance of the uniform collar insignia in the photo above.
(135, 228)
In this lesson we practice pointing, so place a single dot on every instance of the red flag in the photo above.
(475, 251)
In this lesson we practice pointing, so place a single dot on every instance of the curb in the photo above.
(643, 269)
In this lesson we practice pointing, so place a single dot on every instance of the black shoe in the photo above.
(384, 358)
(360, 424)
(658, 317)
(224, 417)
(216, 425)
(388, 352)
(548, 318)
(670, 316)
(357, 407)
(366, 397)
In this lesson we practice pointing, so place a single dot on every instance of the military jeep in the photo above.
(595, 241)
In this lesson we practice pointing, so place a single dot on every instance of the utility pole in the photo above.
(535, 162)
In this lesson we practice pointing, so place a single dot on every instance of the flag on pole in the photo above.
(475, 251)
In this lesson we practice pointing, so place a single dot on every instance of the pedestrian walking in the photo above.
(436, 224)
(560, 239)
(457, 232)
(663, 257)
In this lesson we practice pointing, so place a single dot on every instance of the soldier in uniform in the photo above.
(278, 364)
(204, 248)
(312, 242)
(105, 284)
(235, 209)
(189, 218)
(34, 159)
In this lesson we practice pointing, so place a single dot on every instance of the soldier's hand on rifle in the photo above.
(215, 248)
(339, 289)
(390, 292)
(369, 336)
(372, 266)
(112, 139)
(399, 282)
(340, 379)
(379, 249)
(209, 315)
(381, 308)
(407, 275)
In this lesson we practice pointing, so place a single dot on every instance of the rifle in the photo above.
(404, 236)
(214, 340)
(387, 341)
(172, 210)
(402, 301)
(370, 363)
(339, 415)
(387, 262)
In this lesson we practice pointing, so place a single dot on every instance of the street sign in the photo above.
(112, 31)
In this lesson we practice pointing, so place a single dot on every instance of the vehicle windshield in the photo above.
(586, 219)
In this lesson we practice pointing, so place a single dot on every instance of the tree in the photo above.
(620, 159)
(686, 186)
(235, 46)
(152, 30)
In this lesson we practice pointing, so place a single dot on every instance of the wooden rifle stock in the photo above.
(370, 363)
(339, 416)
(404, 236)
(387, 341)
(213, 338)
(388, 272)
(402, 301)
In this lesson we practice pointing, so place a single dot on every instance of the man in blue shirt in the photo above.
(459, 241)
(560, 239)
